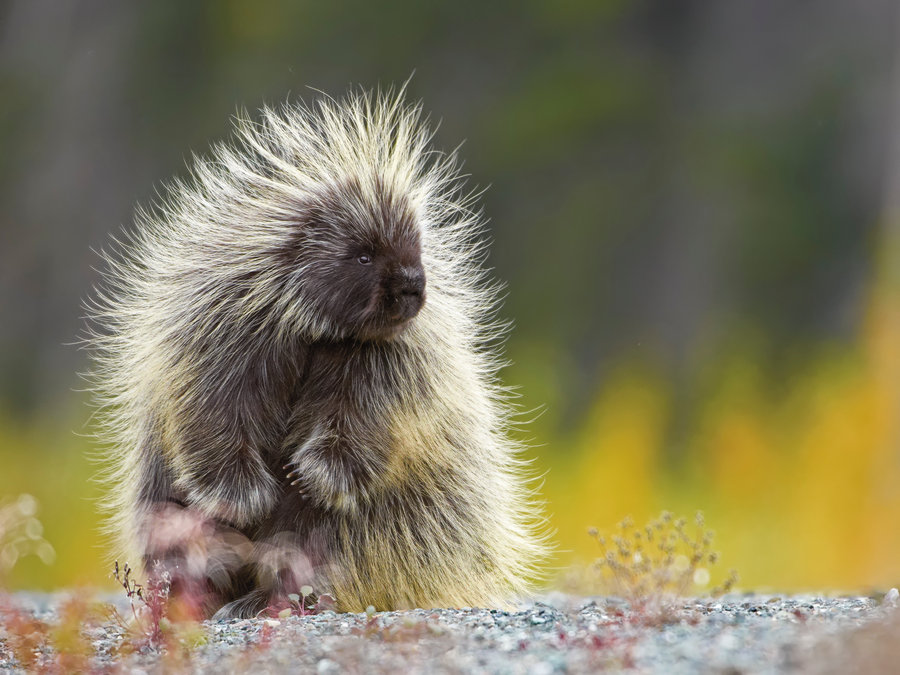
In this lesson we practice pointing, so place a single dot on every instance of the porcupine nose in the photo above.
(409, 290)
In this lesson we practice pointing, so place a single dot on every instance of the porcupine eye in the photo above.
(364, 260)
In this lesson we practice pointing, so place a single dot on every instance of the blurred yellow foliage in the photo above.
(51, 464)
(802, 487)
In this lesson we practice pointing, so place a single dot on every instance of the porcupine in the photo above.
(298, 344)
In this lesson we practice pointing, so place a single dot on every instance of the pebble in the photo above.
(327, 667)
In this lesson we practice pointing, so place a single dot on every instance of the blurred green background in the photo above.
(692, 204)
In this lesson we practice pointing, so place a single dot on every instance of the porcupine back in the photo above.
(214, 278)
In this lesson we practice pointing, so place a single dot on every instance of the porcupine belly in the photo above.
(372, 514)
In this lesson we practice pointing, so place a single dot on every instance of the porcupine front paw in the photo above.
(334, 468)
(296, 478)
(239, 494)
(321, 484)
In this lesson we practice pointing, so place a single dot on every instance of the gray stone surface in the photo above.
(558, 634)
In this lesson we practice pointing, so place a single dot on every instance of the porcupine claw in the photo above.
(292, 474)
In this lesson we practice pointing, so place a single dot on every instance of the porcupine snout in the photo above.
(407, 290)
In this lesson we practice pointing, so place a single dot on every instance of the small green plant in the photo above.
(307, 602)
(661, 562)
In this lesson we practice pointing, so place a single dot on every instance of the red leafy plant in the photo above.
(57, 648)
(158, 621)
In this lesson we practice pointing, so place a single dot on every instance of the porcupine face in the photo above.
(368, 277)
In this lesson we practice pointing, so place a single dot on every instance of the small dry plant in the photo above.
(157, 620)
(21, 533)
(149, 607)
(654, 566)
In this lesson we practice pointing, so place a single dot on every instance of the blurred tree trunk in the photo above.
(67, 160)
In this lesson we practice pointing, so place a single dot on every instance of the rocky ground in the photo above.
(559, 634)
